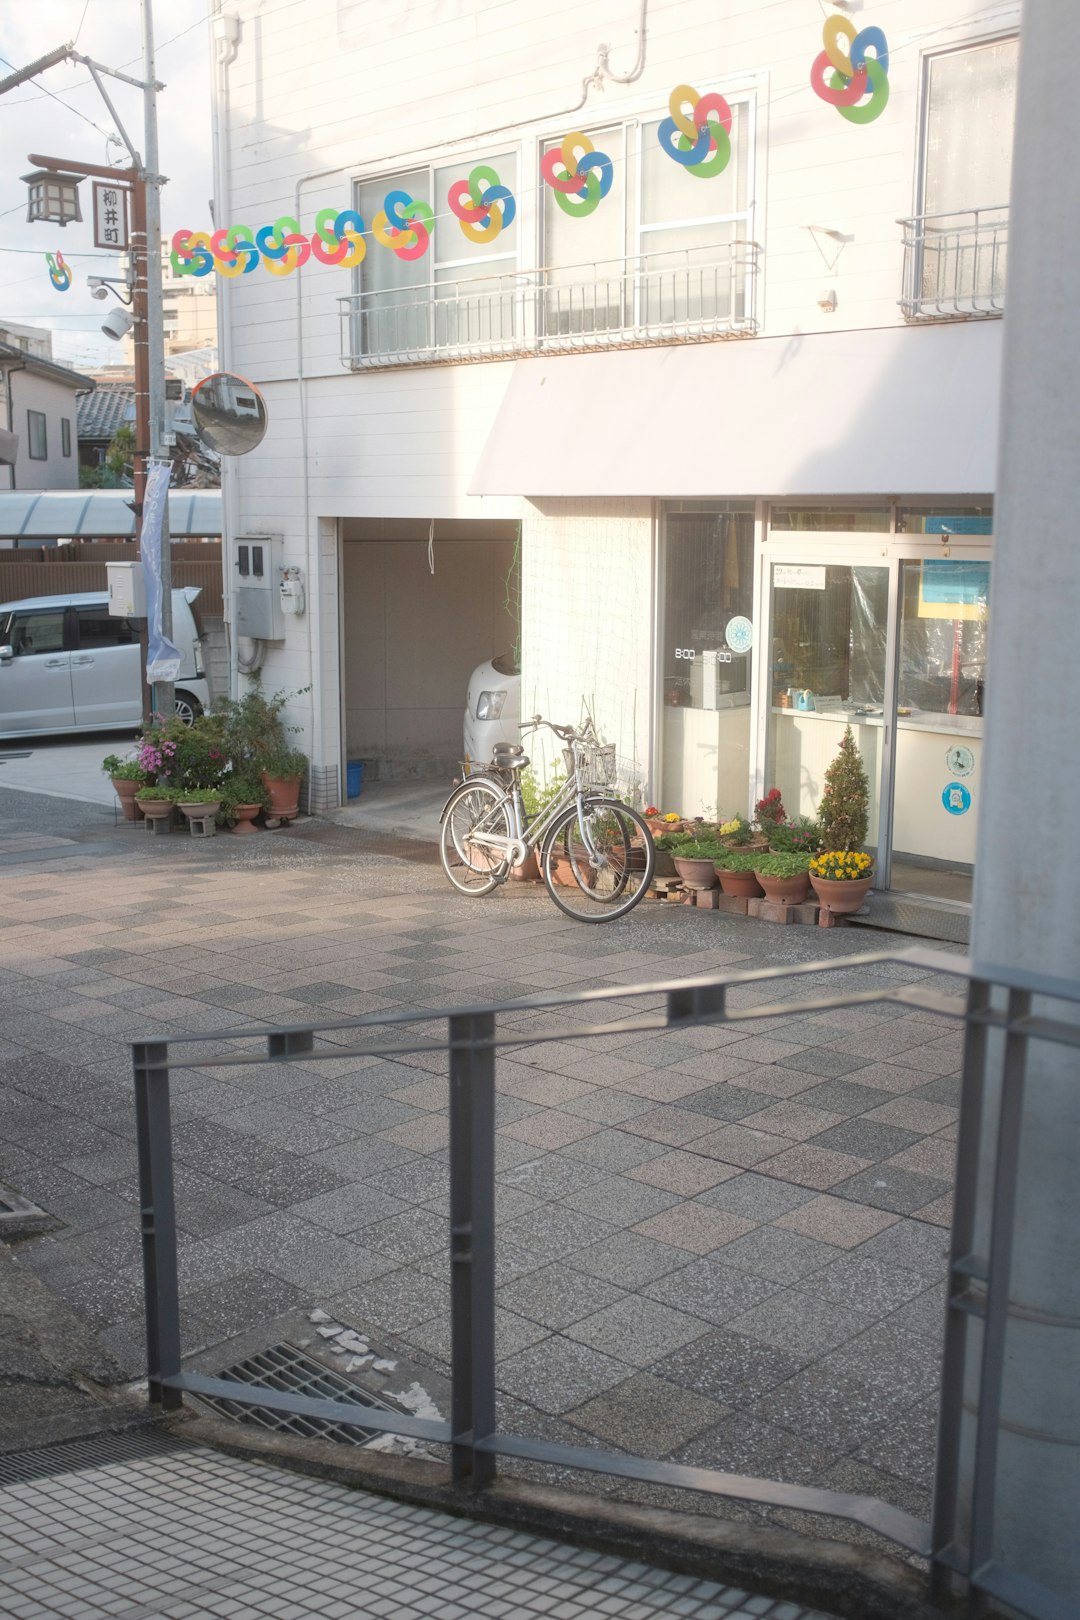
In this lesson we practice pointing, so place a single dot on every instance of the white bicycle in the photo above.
(596, 853)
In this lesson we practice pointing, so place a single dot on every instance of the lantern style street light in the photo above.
(54, 198)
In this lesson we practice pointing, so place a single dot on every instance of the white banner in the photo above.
(162, 658)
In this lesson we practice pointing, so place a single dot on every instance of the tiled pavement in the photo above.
(196, 1534)
(723, 1245)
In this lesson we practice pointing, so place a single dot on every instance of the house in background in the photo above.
(38, 413)
(101, 414)
(698, 337)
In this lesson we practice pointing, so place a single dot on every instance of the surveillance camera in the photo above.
(98, 289)
(117, 324)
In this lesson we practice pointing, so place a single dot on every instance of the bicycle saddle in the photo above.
(509, 757)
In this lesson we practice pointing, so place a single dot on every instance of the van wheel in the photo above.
(188, 708)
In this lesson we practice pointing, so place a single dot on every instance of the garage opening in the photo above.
(420, 611)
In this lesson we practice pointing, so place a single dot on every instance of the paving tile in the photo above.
(407, 1235)
(695, 1227)
(864, 1139)
(711, 1290)
(349, 1208)
(791, 1118)
(736, 1144)
(727, 1101)
(810, 1166)
(887, 1187)
(913, 1245)
(757, 1197)
(557, 1296)
(836, 1221)
(746, 1444)
(614, 1150)
(671, 1124)
(552, 1176)
(684, 1173)
(426, 1135)
(621, 1200)
(822, 1060)
(779, 1257)
(823, 1403)
(799, 1322)
(729, 1368)
(932, 1156)
(607, 1107)
(548, 1130)
(940, 1211)
(395, 1302)
(512, 1333)
(639, 1330)
(844, 1097)
(945, 1091)
(647, 1415)
(628, 1259)
(554, 1232)
(913, 1113)
(560, 1373)
(907, 1445)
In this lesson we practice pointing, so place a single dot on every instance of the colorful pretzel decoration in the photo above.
(702, 141)
(482, 204)
(59, 271)
(854, 74)
(579, 176)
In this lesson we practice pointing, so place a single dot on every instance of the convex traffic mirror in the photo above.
(230, 413)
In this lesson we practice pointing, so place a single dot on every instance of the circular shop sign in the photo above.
(956, 798)
(739, 634)
(960, 760)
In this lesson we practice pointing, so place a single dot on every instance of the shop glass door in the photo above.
(830, 669)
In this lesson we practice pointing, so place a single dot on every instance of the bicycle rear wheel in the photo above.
(601, 873)
(477, 808)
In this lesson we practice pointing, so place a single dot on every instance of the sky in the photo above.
(32, 119)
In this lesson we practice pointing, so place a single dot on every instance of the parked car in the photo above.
(67, 665)
(492, 707)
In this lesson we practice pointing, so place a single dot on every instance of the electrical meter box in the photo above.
(256, 587)
(127, 590)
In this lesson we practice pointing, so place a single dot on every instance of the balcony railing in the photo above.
(617, 304)
(954, 264)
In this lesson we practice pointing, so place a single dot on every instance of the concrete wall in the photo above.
(411, 639)
(29, 392)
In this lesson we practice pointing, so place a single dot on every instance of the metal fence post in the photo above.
(703, 1001)
(157, 1214)
(472, 1244)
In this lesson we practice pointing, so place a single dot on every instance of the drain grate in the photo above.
(92, 1451)
(20, 1218)
(285, 1368)
(910, 916)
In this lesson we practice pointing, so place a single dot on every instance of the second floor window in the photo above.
(37, 436)
(65, 436)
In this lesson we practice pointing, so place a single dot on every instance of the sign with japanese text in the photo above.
(110, 216)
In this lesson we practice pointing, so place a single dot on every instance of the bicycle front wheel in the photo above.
(598, 868)
(477, 810)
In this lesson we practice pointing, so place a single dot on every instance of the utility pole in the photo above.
(164, 691)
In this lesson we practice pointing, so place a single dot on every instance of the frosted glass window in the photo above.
(971, 109)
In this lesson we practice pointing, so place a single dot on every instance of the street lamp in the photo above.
(54, 198)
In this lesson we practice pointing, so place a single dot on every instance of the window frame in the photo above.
(999, 36)
(32, 417)
(65, 436)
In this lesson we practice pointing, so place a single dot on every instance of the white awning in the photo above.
(100, 514)
(881, 412)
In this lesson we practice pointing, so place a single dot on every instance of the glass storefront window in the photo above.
(706, 657)
(944, 620)
(829, 633)
(831, 519)
(945, 518)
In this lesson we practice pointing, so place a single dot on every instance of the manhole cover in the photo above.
(284, 1368)
(20, 1218)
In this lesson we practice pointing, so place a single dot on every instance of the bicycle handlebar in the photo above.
(567, 733)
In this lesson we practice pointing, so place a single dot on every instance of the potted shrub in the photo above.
(255, 739)
(785, 878)
(127, 777)
(282, 772)
(196, 803)
(842, 878)
(844, 811)
(769, 812)
(155, 802)
(667, 845)
(694, 862)
(242, 798)
(735, 869)
(799, 837)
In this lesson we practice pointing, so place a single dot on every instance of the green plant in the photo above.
(782, 866)
(196, 795)
(283, 763)
(735, 860)
(841, 865)
(156, 791)
(844, 811)
(255, 737)
(123, 770)
(672, 841)
(769, 812)
(536, 798)
(736, 831)
(801, 836)
(237, 789)
(698, 849)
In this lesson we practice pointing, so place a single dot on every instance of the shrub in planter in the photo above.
(735, 869)
(844, 811)
(126, 776)
(769, 812)
(695, 863)
(799, 837)
(842, 878)
(784, 877)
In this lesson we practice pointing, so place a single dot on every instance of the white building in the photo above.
(733, 432)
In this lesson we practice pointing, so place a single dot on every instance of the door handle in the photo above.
(82, 660)
(54, 663)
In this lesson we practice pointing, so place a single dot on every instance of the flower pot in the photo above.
(156, 809)
(696, 873)
(284, 794)
(528, 871)
(785, 891)
(842, 894)
(198, 809)
(665, 864)
(572, 875)
(739, 885)
(245, 818)
(125, 790)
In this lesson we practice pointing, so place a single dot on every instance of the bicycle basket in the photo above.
(598, 764)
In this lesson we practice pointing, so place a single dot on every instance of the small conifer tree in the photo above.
(843, 814)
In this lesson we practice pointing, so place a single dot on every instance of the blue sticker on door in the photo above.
(957, 799)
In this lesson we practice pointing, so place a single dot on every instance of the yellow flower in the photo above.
(671, 816)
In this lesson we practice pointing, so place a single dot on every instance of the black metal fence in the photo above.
(960, 1544)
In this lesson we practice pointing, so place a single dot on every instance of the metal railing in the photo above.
(960, 1543)
(954, 264)
(651, 299)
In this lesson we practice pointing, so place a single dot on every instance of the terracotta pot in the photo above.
(665, 864)
(696, 873)
(156, 809)
(245, 818)
(284, 794)
(842, 894)
(785, 891)
(563, 873)
(125, 791)
(528, 871)
(197, 810)
(739, 885)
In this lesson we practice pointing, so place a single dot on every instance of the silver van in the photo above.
(67, 665)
